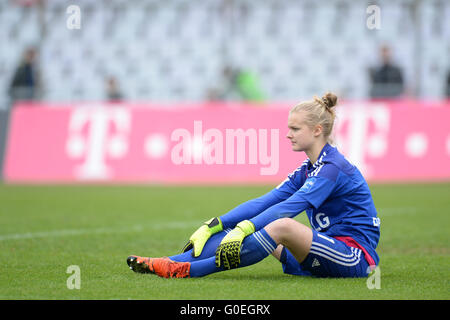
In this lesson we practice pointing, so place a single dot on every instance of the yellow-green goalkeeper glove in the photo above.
(229, 251)
(198, 239)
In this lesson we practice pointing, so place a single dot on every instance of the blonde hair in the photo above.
(319, 111)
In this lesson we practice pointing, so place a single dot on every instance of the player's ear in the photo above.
(318, 129)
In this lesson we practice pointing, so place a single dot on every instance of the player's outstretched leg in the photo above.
(160, 266)
(255, 248)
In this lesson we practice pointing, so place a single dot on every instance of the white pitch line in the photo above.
(155, 226)
(75, 232)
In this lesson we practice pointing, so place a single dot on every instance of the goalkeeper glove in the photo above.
(199, 237)
(228, 252)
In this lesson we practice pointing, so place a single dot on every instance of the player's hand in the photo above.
(229, 251)
(198, 239)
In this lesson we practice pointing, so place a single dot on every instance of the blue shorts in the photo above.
(328, 257)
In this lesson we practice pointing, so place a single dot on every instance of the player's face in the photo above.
(301, 135)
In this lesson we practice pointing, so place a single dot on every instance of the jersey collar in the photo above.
(325, 150)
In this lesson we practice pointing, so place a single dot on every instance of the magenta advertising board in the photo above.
(213, 143)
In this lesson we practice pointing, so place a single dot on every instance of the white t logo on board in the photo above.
(96, 133)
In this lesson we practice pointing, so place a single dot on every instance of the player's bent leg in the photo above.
(292, 235)
(254, 248)
(330, 257)
(258, 246)
(278, 251)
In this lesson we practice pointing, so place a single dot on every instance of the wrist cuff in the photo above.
(246, 226)
(214, 225)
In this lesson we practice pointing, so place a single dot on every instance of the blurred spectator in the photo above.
(249, 86)
(236, 84)
(387, 79)
(113, 92)
(25, 83)
(226, 89)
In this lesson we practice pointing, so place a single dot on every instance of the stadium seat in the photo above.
(174, 50)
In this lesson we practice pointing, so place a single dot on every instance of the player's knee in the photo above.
(282, 228)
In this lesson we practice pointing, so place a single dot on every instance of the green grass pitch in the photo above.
(44, 229)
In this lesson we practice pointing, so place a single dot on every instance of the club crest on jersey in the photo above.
(308, 184)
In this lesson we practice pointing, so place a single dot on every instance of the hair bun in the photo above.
(330, 100)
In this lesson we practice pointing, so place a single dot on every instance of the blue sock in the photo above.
(209, 250)
(255, 248)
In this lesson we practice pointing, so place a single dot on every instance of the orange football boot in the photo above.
(141, 264)
(163, 267)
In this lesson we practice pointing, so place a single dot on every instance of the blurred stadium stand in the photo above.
(174, 50)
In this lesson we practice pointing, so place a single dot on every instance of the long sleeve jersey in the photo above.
(332, 191)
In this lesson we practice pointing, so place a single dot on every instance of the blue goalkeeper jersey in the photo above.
(332, 191)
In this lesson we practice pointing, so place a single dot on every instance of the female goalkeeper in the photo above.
(344, 229)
